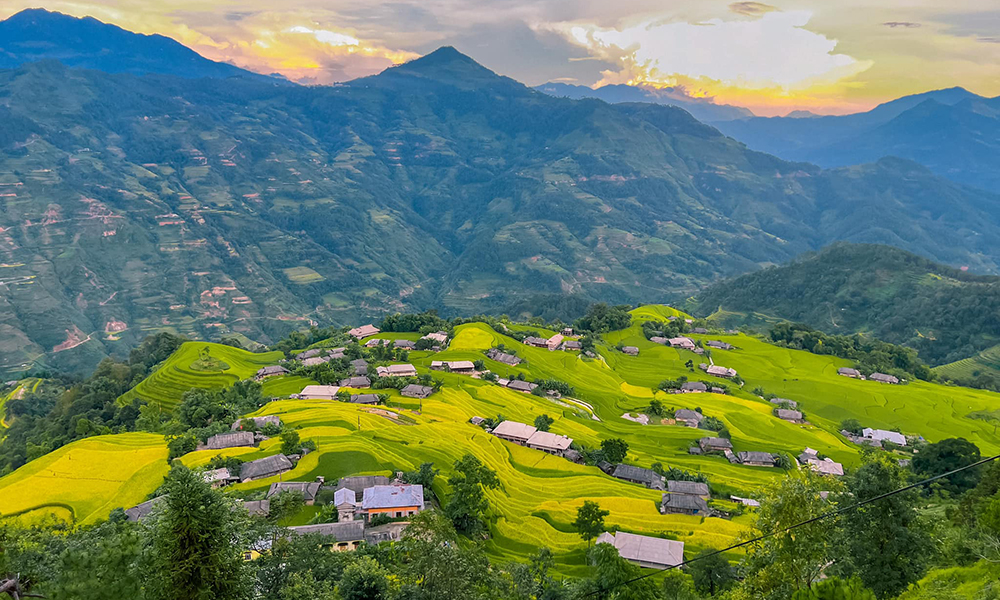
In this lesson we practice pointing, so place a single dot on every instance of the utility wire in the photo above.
(825, 515)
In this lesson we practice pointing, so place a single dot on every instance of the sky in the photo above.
(824, 56)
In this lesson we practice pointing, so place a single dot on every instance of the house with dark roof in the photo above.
(356, 382)
(219, 477)
(714, 444)
(341, 536)
(883, 378)
(141, 511)
(682, 342)
(257, 507)
(230, 440)
(792, 416)
(265, 467)
(692, 387)
(417, 391)
(848, 372)
(503, 357)
(756, 459)
(308, 354)
(272, 371)
(315, 361)
(521, 386)
(683, 504)
(693, 488)
(405, 344)
(308, 489)
(660, 340)
(537, 342)
(718, 345)
(645, 551)
(691, 418)
(358, 483)
(646, 477)
(405, 370)
(630, 350)
(572, 345)
(259, 422)
(784, 402)
(360, 366)
(699, 330)
(364, 399)
(463, 367)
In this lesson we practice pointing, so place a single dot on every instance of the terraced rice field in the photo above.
(26, 386)
(175, 376)
(84, 481)
(986, 362)
(540, 493)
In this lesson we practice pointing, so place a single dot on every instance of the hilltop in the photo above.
(239, 208)
(893, 295)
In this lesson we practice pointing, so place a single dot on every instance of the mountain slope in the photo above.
(953, 132)
(945, 313)
(702, 109)
(213, 207)
(37, 34)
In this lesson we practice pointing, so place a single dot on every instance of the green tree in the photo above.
(543, 422)
(677, 585)
(612, 577)
(711, 573)
(589, 521)
(884, 543)
(290, 442)
(285, 505)
(615, 449)
(302, 586)
(180, 445)
(364, 579)
(468, 502)
(948, 455)
(191, 552)
(424, 475)
(655, 408)
(852, 426)
(200, 408)
(835, 588)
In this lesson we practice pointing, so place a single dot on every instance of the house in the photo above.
(572, 345)
(265, 467)
(363, 331)
(745, 501)
(218, 477)
(346, 502)
(691, 488)
(807, 455)
(342, 537)
(374, 342)
(784, 401)
(512, 431)
(477, 420)
(356, 382)
(465, 367)
(364, 399)
(630, 350)
(417, 391)
(718, 371)
(406, 370)
(883, 378)
(358, 483)
(683, 504)
(503, 357)
(230, 440)
(141, 511)
(717, 390)
(360, 366)
(645, 551)
(257, 507)
(691, 418)
(272, 371)
(567, 331)
(319, 392)
(660, 340)
(314, 361)
(718, 345)
(521, 386)
(549, 442)
(308, 354)
(714, 444)
(692, 387)
(437, 365)
(881, 435)
(554, 342)
(337, 353)
(756, 459)
(792, 416)
(681, 342)
(699, 330)
(392, 500)
(439, 337)
(308, 489)
(848, 372)
(537, 342)
(259, 422)
(646, 477)
(405, 344)
(827, 466)
(390, 532)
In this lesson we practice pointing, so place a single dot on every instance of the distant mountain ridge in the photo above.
(945, 313)
(702, 109)
(953, 132)
(37, 34)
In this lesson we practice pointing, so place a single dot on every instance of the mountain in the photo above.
(36, 34)
(238, 207)
(703, 109)
(945, 313)
(953, 132)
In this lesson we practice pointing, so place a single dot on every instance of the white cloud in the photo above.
(775, 50)
(331, 38)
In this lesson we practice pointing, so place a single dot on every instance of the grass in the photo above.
(182, 371)
(540, 493)
(302, 275)
(83, 481)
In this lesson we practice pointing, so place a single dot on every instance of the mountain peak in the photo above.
(447, 66)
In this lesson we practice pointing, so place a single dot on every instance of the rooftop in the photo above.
(393, 496)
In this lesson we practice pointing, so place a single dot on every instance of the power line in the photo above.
(825, 515)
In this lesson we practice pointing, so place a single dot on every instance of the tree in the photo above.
(284, 505)
(711, 573)
(303, 586)
(948, 455)
(655, 408)
(424, 475)
(200, 408)
(835, 588)
(468, 502)
(543, 422)
(851, 426)
(590, 520)
(884, 543)
(191, 552)
(364, 579)
(615, 449)
(180, 445)
(614, 573)
(532, 580)
(290, 442)
(677, 585)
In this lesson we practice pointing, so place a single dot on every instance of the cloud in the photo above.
(904, 24)
(751, 9)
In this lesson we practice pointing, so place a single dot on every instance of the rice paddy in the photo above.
(537, 500)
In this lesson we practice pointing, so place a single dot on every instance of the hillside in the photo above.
(539, 493)
(946, 314)
(37, 34)
(218, 207)
(953, 132)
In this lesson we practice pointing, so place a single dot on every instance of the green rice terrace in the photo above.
(539, 493)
